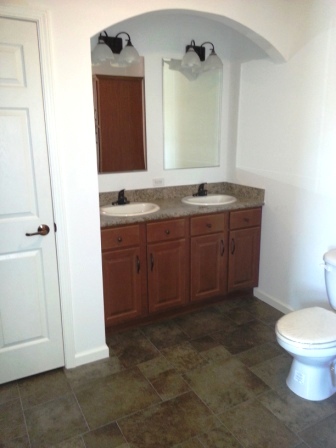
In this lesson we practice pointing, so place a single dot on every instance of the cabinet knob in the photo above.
(167, 232)
(119, 239)
(209, 225)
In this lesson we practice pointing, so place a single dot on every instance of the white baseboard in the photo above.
(91, 355)
(272, 301)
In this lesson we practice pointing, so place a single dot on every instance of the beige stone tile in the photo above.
(254, 426)
(246, 336)
(83, 374)
(44, 387)
(190, 443)
(108, 436)
(216, 353)
(204, 322)
(8, 392)
(75, 442)
(55, 421)
(183, 357)
(224, 383)
(12, 424)
(296, 412)
(204, 343)
(113, 397)
(274, 371)
(167, 424)
(218, 438)
(165, 334)
(131, 347)
(240, 315)
(260, 353)
(264, 312)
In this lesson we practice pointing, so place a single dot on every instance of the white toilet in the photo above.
(309, 335)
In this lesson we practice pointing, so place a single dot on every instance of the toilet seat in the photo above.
(310, 328)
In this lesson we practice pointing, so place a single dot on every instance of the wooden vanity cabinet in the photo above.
(167, 264)
(124, 273)
(244, 248)
(209, 256)
(152, 268)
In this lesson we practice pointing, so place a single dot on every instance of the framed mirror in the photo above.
(119, 109)
(191, 117)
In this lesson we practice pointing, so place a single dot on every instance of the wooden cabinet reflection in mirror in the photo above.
(120, 123)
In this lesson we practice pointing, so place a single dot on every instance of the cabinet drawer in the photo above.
(120, 237)
(203, 225)
(166, 230)
(245, 218)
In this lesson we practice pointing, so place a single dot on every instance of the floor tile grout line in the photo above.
(284, 423)
(121, 432)
(24, 415)
(81, 411)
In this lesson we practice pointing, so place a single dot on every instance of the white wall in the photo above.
(278, 26)
(286, 144)
(166, 35)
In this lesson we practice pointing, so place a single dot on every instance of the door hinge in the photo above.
(55, 227)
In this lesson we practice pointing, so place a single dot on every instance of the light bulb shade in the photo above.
(212, 62)
(101, 53)
(191, 59)
(129, 55)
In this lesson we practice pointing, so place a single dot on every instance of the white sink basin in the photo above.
(133, 209)
(210, 199)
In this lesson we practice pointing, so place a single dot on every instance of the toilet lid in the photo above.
(310, 326)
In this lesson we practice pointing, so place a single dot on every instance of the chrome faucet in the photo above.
(201, 190)
(122, 200)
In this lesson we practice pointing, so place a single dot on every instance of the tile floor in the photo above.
(213, 378)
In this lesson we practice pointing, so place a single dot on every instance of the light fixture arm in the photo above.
(128, 37)
(213, 47)
(200, 51)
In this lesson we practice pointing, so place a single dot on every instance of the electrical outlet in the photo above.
(158, 182)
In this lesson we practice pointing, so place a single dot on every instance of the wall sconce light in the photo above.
(109, 46)
(195, 55)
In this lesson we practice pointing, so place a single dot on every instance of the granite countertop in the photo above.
(169, 201)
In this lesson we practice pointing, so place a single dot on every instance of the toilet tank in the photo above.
(330, 276)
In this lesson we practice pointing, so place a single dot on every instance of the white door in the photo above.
(30, 317)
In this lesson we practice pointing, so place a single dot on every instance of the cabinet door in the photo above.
(124, 285)
(167, 275)
(208, 266)
(244, 258)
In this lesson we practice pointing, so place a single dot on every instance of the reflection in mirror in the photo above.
(192, 115)
(119, 103)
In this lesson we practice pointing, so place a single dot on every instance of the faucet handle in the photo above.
(122, 200)
(201, 190)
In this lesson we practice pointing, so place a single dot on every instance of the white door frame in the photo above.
(41, 19)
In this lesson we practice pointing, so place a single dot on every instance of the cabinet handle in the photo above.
(233, 246)
(152, 261)
(167, 232)
(138, 264)
(222, 248)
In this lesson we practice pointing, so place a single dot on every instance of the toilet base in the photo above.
(312, 378)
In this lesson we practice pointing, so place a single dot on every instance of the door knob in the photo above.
(42, 230)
